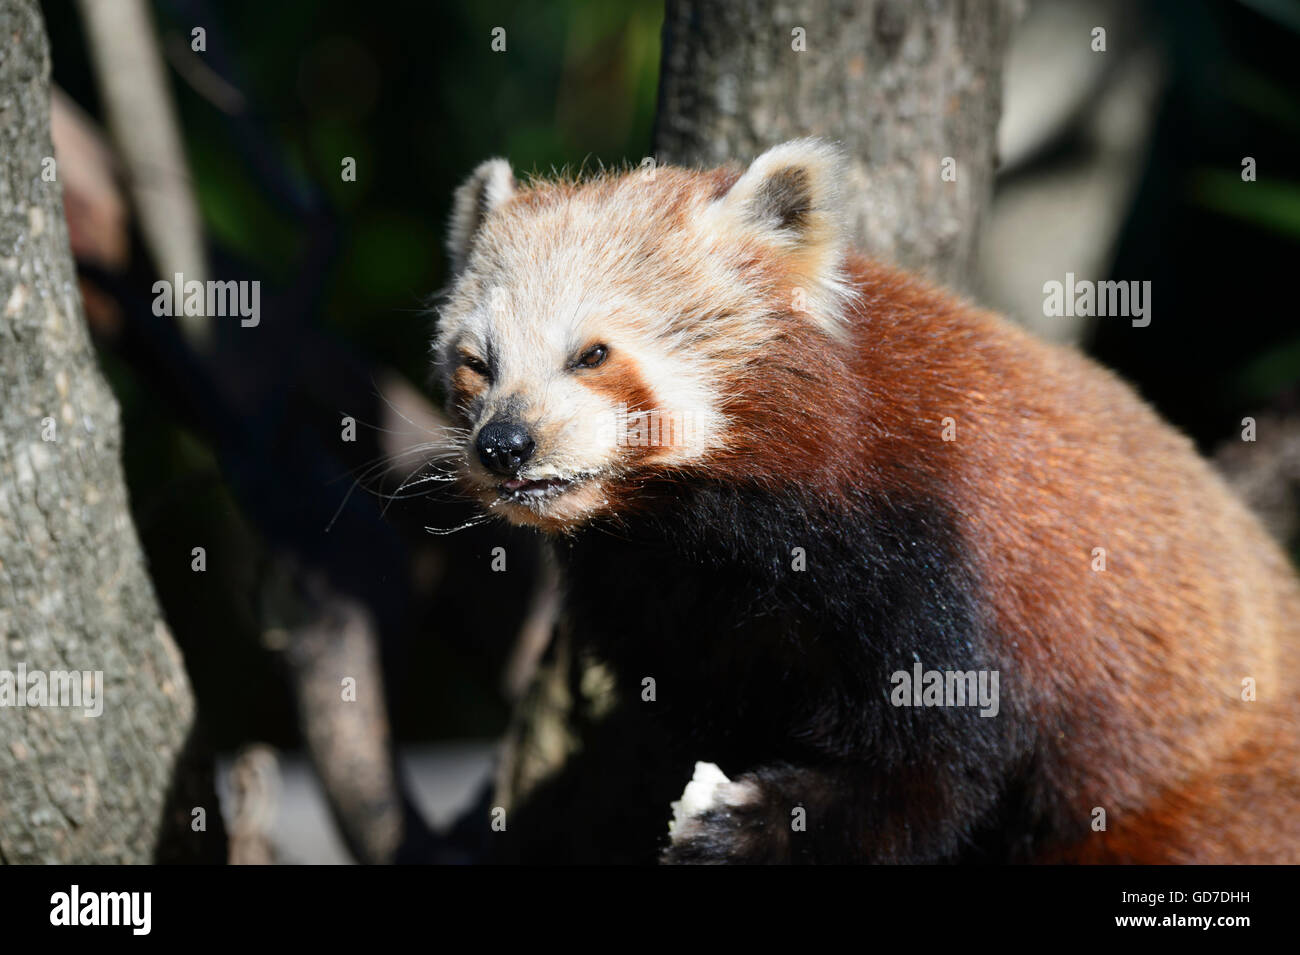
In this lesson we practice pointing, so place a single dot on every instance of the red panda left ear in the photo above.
(489, 186)
(792, 197)
(791, 194)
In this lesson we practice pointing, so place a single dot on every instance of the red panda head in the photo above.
(602, 332)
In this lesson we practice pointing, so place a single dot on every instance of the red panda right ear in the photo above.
(489, 186)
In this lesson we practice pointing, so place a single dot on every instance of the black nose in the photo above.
(504, 446)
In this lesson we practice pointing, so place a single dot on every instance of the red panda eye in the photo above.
(475, 364)
(593, 356)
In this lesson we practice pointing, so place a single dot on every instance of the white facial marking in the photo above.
(680, 284)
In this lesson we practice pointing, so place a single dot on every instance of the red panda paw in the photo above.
(715, 821)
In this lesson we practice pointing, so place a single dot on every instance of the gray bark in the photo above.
(901, 85)
(74, 593)
(349, 739)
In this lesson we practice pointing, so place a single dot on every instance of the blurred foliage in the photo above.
(416, 95)
(418, 98)
(1218, 250)
(1269, 204)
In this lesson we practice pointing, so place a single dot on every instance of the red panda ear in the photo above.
(489, 186)
(792, 197)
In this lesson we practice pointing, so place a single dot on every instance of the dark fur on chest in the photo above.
(755, 661)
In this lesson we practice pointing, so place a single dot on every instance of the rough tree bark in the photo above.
(74, 593)
(902, 85)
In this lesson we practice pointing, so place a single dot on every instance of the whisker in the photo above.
(472, 522)
(436, 453)
(393, 408)
(405, 481)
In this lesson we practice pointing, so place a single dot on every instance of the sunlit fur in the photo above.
(687, 278)
(826, 385)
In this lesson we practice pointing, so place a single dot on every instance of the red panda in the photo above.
(781, 478)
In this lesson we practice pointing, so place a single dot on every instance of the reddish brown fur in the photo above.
(1127, 681)
(466, 385)
(1138, 668)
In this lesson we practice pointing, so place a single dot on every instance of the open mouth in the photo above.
(520, 490)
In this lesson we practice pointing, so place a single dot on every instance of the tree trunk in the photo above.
(74, 594)
(903, 86)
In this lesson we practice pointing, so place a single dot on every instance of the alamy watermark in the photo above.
(654, 428)
(923, 687)
(211, 299)
(59, 688)
(1085, 298)
(133, 910)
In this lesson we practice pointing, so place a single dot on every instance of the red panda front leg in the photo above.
(836, 814)
(774, 815)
